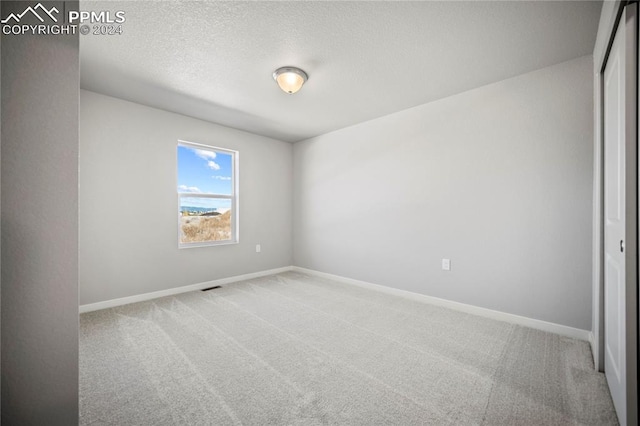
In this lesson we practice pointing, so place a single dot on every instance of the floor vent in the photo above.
(211, 288)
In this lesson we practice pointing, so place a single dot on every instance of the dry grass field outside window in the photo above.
(203, 228)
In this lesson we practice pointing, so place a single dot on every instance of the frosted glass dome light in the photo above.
(290, 79)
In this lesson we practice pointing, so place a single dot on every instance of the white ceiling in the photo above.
(214, 60)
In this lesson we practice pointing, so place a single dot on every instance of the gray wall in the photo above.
(498, 179)
(40, 80)
(128, 201)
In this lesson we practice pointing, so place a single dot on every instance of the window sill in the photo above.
(206, 244)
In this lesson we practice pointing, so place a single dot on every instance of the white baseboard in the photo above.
(562, 330)
(177, 290)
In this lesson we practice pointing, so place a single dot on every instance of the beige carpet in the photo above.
(291, 349)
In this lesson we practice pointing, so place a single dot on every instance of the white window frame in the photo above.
(235, 234)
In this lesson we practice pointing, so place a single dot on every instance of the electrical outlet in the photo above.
(446, 264)
(258, 248)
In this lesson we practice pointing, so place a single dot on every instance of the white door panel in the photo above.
(614, 319)
(614, 196)
(619, 273)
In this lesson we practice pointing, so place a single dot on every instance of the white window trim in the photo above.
(234, 197)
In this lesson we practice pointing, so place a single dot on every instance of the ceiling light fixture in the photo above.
(290, 79)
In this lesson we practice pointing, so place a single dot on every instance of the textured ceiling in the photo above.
(214, 60)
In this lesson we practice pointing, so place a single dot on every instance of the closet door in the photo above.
(620, 217)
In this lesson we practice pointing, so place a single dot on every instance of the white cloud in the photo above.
(208, 156)
(222, 177)
(204, 154)
(185, 188)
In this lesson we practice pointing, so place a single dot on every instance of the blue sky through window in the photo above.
(202, 171)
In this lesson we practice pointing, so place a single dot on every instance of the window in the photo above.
(207, 195)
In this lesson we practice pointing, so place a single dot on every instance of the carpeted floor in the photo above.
(293, 349)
